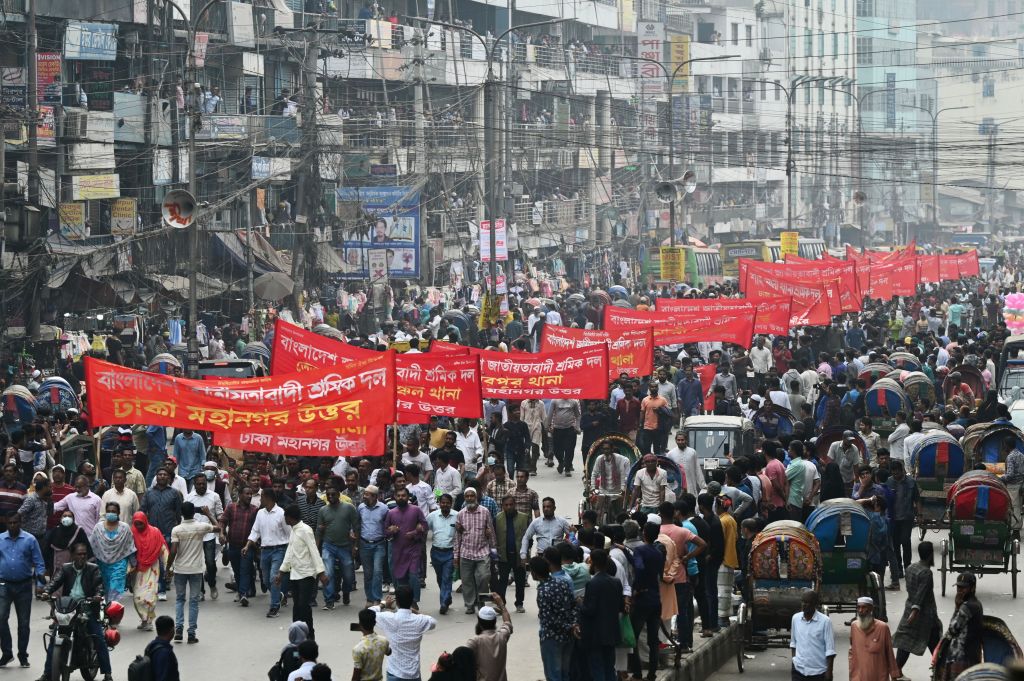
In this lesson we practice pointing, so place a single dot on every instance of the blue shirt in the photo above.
(814, 642)
(691, 565)
(20, 557)
(443, 528)
(157, 438)
(371, 520)
(190, 453)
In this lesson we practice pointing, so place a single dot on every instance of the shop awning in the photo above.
(265, 259)
(206, 287)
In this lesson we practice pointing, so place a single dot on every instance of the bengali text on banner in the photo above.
(724, 324)
(347, 441)
(630, 353)
(360, 393)
(812, 273)
(572, 374)
(428, 383)
(772, 313)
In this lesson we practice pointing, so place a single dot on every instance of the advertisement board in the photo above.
(393, 226)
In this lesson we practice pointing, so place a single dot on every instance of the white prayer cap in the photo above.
(865, 600)
(487, 613)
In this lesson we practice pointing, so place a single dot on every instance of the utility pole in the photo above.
(990, 192)
(34, 300)
(308, 200)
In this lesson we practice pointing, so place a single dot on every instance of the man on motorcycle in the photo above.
(80, 580)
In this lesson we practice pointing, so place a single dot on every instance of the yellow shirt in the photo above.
(437, 438)
(730, 559)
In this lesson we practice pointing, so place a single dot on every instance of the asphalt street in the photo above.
(238, 643)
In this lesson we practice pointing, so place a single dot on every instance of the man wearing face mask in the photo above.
(406, 527)
(208, 503)
(125, 498)
(871, 654)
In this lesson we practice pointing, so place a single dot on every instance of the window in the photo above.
(821, 94)
(734, 88)
(988, 87)
(821, 43)
(764, 90)
(702, 85)
(864, 51)
(750, 35)
(865, 8)
(807, 95)
(835, 45)
(927, 102)
(735, 33)
(716, 86)
(808, 44)
(778, 91)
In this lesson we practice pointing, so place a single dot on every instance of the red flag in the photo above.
(707, 373)
(845, 271)
(949, 267)
(928, 268)
(968, 265)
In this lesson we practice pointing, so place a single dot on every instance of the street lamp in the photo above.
(935, 154)
(667, 191)
(790, 93)
(491, 126)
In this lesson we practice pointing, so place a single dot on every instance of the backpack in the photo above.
(141, 668)
(285, 665)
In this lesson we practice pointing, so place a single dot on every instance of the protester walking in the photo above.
(303, 565)
(474, 541)
(187, 564)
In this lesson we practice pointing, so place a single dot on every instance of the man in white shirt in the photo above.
(124, 497)
(208, 503)
(617, 394)
(898, 436)
(780, 397)
(446, 478)
(910, 442)
(468, 442)
(649, 485)
(760, 359)
(419, 491)
(186, 563)
(271, 533)
(685, 456)
(413, 455)
(304, 566)
(404, 631)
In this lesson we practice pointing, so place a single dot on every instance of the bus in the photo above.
(811, 249)
(731, 253)
(703, 266)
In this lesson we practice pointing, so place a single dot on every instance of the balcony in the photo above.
(214, 21)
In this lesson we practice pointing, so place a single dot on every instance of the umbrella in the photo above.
(697, 242)
(532, 301)
(599, 298)
(273, 285)
(328, 331)
(577, 297)
(546, 301)
(164, 358)
(618, 291)
(623, 303)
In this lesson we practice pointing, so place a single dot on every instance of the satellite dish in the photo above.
(178, 209)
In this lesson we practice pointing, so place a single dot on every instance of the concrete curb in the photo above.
(718, 651)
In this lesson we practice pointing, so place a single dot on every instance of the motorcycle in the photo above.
(73, 647)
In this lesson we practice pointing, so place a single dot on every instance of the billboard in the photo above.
(393, 226)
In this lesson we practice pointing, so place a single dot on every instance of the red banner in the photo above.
(352, 441)
(441, 382)
(360, 393)
(810, 301)
(631, 352)
(725, 323)
(772, 315)
(967, 264)
(571, 374)
(812, 273)
(949, 267)
(444, 347)
(928, 269)
(894, 278)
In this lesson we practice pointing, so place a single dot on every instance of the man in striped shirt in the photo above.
(474, 542)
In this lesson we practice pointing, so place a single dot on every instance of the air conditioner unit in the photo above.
(76, 123)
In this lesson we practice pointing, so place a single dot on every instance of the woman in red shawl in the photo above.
(150, 557)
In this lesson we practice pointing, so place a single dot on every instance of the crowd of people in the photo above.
(458, 506)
